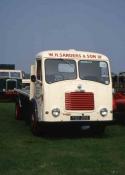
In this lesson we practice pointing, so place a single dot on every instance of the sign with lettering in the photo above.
(74, 55)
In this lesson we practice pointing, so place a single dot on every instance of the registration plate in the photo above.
(84, 117)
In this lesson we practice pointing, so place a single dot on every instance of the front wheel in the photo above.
(18, 112)
(98, 130)
(35, 128)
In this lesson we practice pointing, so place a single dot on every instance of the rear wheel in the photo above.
(18, 112)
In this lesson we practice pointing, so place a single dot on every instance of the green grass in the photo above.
(21, 153)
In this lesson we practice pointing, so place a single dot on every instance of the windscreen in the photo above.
(59, 70)
(4, 74)
(15, 75)
(94, 71)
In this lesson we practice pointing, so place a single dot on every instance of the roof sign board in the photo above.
(7, 66)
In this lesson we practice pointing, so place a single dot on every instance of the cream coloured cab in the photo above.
(69, 86)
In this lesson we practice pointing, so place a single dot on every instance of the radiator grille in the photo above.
(11, 84)
(79, 101)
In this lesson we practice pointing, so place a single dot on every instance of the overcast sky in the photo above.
(30, 26)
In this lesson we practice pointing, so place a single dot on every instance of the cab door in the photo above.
(38, 89)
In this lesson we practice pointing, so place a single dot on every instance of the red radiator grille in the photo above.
(79, 101)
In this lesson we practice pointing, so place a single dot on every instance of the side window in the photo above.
(39, 70)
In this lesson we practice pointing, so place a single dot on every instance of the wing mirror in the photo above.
(33, 78)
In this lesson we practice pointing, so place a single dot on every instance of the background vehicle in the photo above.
(26, 83)
(119, 97)
(9, 79)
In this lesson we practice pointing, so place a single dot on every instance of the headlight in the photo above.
(104, 112)
(56, 112)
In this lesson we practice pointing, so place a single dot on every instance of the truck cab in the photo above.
(9, 79)
(71, 87)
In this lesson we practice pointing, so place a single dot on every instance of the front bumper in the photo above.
(76, 123)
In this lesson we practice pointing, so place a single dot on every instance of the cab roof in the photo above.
(71, 54)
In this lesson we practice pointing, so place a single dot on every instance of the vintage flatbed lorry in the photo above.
(67, 88)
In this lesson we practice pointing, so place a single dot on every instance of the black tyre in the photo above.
(98, 130)
(35, 128)
(18, 112)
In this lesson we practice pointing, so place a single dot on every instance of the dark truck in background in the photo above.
(10, 78)
(119, 97)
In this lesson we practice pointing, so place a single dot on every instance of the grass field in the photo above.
(21, 153)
